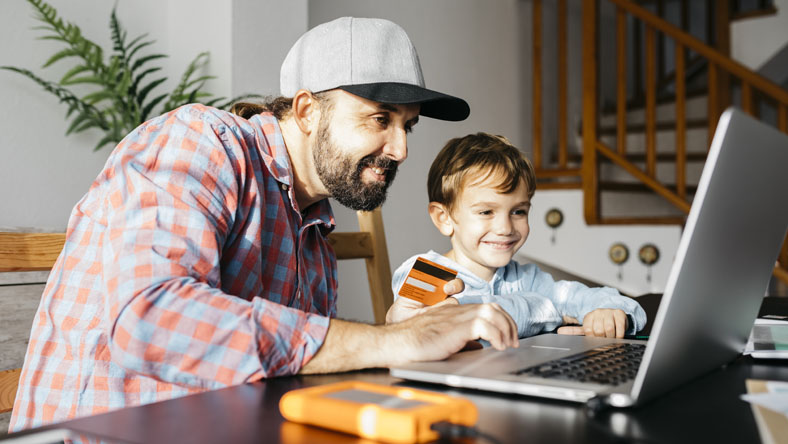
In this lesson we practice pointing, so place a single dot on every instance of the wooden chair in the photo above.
(39, 251)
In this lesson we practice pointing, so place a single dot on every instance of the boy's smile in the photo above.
(488, 226)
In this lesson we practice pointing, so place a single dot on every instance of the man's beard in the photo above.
(343, 180)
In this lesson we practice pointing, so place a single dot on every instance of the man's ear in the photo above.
(305, 111)
(441, 218)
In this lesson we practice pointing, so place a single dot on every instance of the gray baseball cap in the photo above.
(371, 58)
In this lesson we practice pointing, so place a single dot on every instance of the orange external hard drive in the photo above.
(425, 282)
(374, 411)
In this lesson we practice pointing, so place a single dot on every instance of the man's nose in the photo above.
(397, 145)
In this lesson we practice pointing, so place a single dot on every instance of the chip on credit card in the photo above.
(425, 282)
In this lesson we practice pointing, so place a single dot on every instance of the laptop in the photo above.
(721, 272)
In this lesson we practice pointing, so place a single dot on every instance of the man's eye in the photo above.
(520, 212)
(382, 121)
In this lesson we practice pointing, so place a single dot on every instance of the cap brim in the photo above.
(433, 104)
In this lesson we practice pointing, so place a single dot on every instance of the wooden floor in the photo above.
(18, 304)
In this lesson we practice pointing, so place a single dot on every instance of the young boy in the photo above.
(480, 188)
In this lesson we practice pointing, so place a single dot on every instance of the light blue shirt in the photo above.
(532, 297)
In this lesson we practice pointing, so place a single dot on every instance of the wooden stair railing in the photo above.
(753, 87)
(560, 168)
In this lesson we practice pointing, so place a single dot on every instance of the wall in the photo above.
(44, 173)
(583, 249)
(754, 41)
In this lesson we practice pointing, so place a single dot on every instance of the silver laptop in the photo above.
(722, 268)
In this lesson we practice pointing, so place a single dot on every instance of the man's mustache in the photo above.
(389, 165)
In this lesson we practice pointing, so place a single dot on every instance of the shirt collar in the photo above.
(277, 160)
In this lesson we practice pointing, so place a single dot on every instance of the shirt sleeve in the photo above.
(577, 300)
(400, 274)
(532, 312)
(170, 206)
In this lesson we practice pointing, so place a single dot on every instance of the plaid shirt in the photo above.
(187, 266)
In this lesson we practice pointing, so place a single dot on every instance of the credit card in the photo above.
(425, 282)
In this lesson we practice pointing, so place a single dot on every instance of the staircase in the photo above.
(652, 94)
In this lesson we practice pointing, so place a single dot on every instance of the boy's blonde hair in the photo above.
(477, 156)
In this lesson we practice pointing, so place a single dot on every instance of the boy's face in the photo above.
(487, 226)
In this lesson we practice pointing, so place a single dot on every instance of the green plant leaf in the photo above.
(68, 52)
(87, 79)
(109, 138)
(138, 78)
(87, 125)
(72, 72)
(117, 91)
(77, 121)
(147, 89)
(143, 60)
(118, 35)
(147, 109)
(134, 47)
(98, 96)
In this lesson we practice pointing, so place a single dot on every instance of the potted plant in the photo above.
(122, 83)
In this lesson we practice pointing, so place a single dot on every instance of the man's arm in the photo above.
(169, 210)
(433, 335)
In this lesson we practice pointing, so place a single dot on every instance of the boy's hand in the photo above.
(405, 308)
(602, 322)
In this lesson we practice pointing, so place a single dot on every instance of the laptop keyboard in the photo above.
(611, 364)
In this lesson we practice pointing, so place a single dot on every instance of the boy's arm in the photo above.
(602, 322)
(532, 312)
(575, 300)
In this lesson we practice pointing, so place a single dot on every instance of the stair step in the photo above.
(641, 221)
(639, 104)
(637, 187)
(660, 126)
(641, 157)
(574, 185)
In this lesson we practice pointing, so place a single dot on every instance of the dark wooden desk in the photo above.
(706, 410)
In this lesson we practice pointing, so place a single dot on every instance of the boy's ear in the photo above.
(441, 218)
(305, 111)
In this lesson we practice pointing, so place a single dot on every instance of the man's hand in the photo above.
(602, 322)
(440, 331)
(405, 308)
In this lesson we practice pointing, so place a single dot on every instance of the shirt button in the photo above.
(285, 187)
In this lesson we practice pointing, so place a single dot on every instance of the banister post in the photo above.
(589, 169)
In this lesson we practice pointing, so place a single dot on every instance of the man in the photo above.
(198, 258)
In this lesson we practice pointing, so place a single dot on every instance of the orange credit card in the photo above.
(425, 282)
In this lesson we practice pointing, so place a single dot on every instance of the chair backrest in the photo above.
(39, 251)
(369, 243)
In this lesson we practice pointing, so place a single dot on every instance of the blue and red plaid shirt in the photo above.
(187, 266)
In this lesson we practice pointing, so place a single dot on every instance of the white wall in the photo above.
(42, 172)
(583, 249)
(754, 41)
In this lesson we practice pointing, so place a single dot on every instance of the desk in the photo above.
(706, 410)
